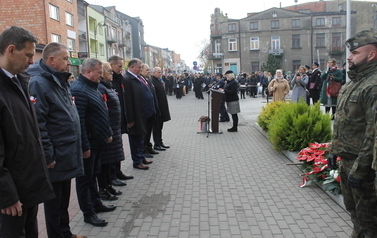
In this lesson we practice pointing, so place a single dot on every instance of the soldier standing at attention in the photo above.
(354, 134)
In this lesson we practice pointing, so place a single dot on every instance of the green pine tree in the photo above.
(273, 63)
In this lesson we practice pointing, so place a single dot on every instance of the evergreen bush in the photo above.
(267, 112)
(295, 125)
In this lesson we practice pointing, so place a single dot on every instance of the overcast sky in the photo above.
(184, 26)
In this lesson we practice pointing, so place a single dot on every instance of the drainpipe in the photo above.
(239, 39)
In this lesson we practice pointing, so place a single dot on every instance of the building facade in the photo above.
(297, 35)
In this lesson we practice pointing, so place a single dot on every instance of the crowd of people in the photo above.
(54, 128)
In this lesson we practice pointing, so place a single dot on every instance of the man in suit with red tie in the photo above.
(139, 107)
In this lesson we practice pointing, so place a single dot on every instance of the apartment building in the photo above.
(296, 35)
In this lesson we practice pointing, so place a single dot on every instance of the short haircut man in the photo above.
(61, 138)
(24, 180)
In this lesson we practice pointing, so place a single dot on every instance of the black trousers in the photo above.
(56, 211)
(86, 186)
(157, 132)
(25, 226)
(147, 137)
(104, 179)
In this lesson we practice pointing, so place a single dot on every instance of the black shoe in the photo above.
(147, 155)
(122, 176)
(95, 220)
(232, 129)
(106, 195)
(117, 182)
(159, 148)
(147, 161)
(113, 191)
(104, 208)
(165, 146)
(152, 151)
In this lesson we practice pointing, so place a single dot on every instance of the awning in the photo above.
(74, 61)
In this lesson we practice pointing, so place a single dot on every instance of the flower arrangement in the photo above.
(316, 169)
(204, 119)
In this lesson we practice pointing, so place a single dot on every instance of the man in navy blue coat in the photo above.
(95, 134)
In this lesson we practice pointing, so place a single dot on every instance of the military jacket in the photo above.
(354, 126)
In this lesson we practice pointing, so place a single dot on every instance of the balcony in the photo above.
(111, 40)
(276, 52)
(336, 51)
(215, 56)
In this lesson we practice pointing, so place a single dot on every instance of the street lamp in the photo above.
(101, 23)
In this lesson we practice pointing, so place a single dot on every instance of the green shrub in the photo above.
(295, 125)
(267, 112)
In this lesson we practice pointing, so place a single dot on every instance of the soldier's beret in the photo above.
(362, 38)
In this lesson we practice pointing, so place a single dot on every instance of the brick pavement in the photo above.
(223, 185)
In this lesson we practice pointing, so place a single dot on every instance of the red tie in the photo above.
(143, 80)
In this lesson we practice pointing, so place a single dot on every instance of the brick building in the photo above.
(50, 21)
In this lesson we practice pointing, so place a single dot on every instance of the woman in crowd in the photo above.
(231, 98)
(332, 73)
(113, 152)
(279, 86)
(299, 81)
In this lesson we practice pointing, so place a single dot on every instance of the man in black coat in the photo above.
(24, 179)
(139, 107)
(95, 134)
(116, 64)
(163, 113)
(61, 138)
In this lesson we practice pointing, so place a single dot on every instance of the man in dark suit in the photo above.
(163, 113)
(116, 64)
(139, 107)
(23, 170)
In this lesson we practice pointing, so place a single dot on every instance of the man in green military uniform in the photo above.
(354, 134)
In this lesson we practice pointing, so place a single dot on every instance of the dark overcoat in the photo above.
(133, 104)
(112, 152)
(163, 114)
(23, 170)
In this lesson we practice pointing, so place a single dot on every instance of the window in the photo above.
(217, 46)
(232, 27)
(296, 41)
(68, 19)
(296, 23)
(54, 12)
(71, 44)
(55, 38)
(113, 33)
(275, 42)
(254, 43)
(232, 44)
(101, 49)
(336, 42)
(254, 66)
(295, 65)
(320, 22)
(336, 21)
(254, 25)
(275, 24)
(69, 0)
(274, 14)
(320, 40)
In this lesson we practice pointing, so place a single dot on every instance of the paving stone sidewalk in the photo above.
(223, 185)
